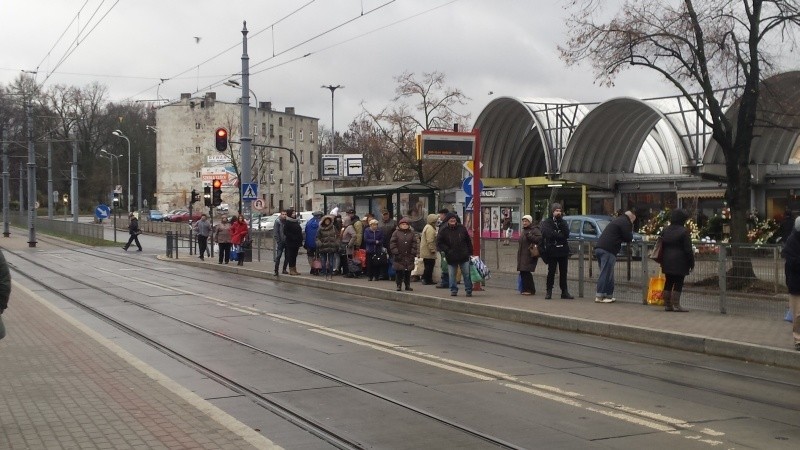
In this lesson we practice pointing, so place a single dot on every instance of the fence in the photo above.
(88, 230)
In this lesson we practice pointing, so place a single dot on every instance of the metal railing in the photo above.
(64, 227)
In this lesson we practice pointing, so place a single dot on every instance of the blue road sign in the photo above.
(467, 186)
(102, 211)
(249, 191)
(468, 203)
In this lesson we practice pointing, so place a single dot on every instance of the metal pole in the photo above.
(333, 128)
(247, 169)
(31, 180)
(139, 188)
(50, 199)
(6, 177)
(74, 173)
(21, 190)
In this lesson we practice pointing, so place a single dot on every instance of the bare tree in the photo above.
(435, 105)
(710, 46)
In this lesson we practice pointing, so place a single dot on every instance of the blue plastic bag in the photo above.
(788, 316)
(519, 282)
(391, 270)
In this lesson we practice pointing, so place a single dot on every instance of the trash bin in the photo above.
(247, 249)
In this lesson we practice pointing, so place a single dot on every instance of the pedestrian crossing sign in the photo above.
(249, 191)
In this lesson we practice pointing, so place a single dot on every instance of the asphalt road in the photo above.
(391, 375)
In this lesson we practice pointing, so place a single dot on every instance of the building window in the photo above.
(271, 130)
(197, 150)
(263, 129)
(301, 156)
(291, 133)
(280, 121)
(197, 125)
(310, 176)
(197, 175)
(280, 185)
(280, 163)
(301, 135)
(311, 158)
(280, 140)
(311, 137)
(291, 177)
(271, 176)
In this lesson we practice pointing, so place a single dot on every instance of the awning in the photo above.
(712, 193)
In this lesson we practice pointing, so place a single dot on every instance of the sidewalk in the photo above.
(65, 386)
(764, 341)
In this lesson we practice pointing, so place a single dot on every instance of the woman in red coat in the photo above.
(239, 231)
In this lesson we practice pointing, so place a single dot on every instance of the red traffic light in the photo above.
(217, 184)
(221, 139)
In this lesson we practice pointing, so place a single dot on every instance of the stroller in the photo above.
(354, 269)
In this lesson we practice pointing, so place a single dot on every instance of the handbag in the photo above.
(380, 258)
(316, 263)
(657, 254)
(534, 249)
(655, 290)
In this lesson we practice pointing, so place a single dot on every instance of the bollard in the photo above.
(581, 263)
(169, 244)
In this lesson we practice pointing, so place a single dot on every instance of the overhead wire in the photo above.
(77, 15)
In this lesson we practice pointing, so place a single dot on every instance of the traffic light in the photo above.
(207, 195)
(115, 200)
(195, 196)
(221, 137)
(217, 195)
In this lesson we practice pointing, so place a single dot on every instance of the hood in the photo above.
(329, 218)
(678, 217)
(432, 218)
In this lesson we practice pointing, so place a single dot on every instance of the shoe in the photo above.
(566, 296)
(285, 272)
(370, 279)
(398, 289)
(549, 295)
(453, 294)
(439, 286)
(139, 250)
(125, 248)
(797, 346)
(409, 289)
(469, 294)
(604, 300)
(525, 293)
(220, 262)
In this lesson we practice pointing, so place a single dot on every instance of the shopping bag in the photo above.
(360, 254)
(655, 291)
(657, 254)
(519, 282)
(419, 267)
(474, 273)
(788, 316)
(480, 266)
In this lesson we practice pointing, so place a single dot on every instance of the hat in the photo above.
(797, 223)
(334, 211)
(527, 217)
(317, 214)
(351, 211)
(373, 221)
(555, 206)
(444, 211)
(404, 221)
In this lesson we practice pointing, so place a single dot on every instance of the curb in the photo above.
(688, 342)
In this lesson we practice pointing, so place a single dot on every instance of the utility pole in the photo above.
(74, 174)
(333, 130)
(247, 168)
(50, 199)
(6, 176)
(31, 178)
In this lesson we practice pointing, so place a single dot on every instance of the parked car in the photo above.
(184, 216)
(173, 212)
(588, 229)
(155, 216)
(265, 223)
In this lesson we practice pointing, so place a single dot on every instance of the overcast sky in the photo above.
(487, 48)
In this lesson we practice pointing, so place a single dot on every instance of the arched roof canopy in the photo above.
(525, 137)
(776, 133)
(623, 136)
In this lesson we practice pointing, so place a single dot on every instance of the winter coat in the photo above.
(618, 231)
(373, 240)
(203, 228)
(388, 227)
(427, 243)
(277, 232)
(222, 233)
(348, 239)
(678, 256)
(133, 227)
(310, 242)
(455, 243)
(791, 251)
(531, 234)
(327, 239)
(239, 232)
(403, 246)
(358, 226)
(5, 283)
(293, 233)
(555, 234)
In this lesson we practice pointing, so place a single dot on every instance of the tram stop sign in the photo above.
(102, 211)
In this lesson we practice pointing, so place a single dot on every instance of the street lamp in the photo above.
(119, 134)
(110, 155)
(333, 134)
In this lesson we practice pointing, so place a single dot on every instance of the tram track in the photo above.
(327, 434)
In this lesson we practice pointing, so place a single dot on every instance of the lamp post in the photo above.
(119, 134)
(110, 155)
(333, 134)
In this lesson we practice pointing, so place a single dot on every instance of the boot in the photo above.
(667, 301)
(293, 271)
(240, 259)
(549, 294)
(566, 295)
(276, 270)
(676, 302)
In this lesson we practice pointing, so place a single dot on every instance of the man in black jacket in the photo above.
(791, 251)
(453, 240)
(5, 291)
(556, 255)
(618, 231)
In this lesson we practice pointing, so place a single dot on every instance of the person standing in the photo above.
(387, 226)
(373, 244)
(427, 248)
(239, 233)
(294, 240)
(348, 242)
(133, 229)
(327, 244)
(506, 227)
(358, 225)
(222, 235)
(403, 247)
(453, 240)
(608, 245)
(556, 255)
(280, 242)
(5, 291)
(678, 259)
(444, 283)
(203, 229)
(310, 240)
(791, 251)
(530, 234)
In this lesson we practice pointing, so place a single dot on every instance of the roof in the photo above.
(381, 189)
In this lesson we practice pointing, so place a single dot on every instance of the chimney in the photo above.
(267, 106)
(290, 110)
(210, 98)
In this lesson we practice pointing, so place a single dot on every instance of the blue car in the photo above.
(155, 216)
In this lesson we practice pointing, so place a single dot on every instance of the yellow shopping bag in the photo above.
(655, 291)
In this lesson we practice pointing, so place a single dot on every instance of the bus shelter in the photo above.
(410, 200)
